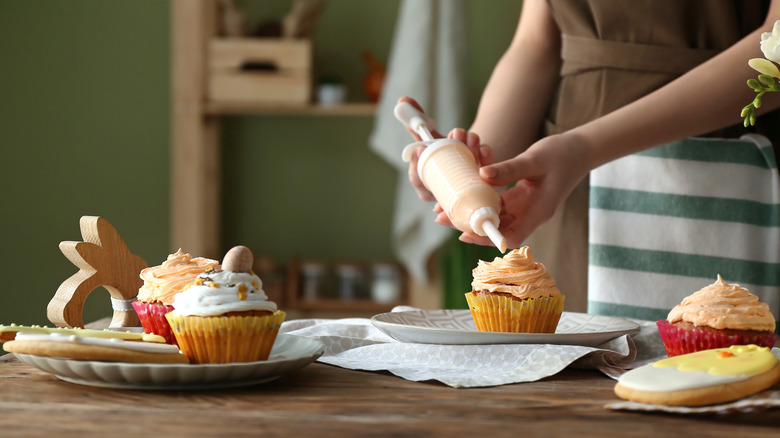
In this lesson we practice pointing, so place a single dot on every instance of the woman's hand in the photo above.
(545, 175)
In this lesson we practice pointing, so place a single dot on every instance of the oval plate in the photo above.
(289, 354)
(456, 327)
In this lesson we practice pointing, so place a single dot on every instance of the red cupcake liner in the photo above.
(679, 341)
(153, 320)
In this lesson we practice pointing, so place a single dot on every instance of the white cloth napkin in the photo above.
(762, 401)
(354, 343)
(427, 62)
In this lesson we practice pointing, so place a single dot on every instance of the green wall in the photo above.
(84, 130)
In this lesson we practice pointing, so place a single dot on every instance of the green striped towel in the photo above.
(665, 222)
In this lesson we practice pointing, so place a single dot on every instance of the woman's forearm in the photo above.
(512, 106)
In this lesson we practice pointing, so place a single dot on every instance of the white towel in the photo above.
(427, 62)
(354, 343)
(665, 222)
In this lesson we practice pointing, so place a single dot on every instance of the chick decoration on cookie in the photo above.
(702, 378)
(104, 260)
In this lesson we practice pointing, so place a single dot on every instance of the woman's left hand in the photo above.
(545, 175)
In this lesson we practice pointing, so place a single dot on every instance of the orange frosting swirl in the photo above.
(162, 283)
(516, 273)
(724, 306)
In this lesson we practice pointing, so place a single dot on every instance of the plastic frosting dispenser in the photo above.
(448, 169)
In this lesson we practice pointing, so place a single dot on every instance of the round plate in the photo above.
(289, 353)
(457, 327)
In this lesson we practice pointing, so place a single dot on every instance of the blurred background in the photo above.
(85, 129)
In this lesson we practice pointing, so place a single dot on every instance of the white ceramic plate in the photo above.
(457, 327)
(289, 353)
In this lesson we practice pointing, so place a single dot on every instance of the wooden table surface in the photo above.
(322, 400)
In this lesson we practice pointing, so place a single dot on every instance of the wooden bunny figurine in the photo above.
(103, 260)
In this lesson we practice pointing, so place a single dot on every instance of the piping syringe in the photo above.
(449, 171)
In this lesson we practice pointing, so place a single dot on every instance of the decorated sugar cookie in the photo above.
(8, 333)
(106, 349)
(702, 378)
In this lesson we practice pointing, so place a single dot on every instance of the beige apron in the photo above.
(615, 52)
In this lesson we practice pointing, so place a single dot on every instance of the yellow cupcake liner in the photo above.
(226, 339)
(498, 313)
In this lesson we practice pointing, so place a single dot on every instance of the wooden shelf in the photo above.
(363, 109)
(196, 119)
(295, 300)
(346, 306)
(198, 56)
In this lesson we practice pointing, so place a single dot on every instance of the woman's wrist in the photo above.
(580, 152)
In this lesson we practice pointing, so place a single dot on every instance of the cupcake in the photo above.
(718, 316)
(225, 316)
(514, 294)
(161, 284)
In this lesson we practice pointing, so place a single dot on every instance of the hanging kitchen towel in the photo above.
(427, 62)
(665, 222)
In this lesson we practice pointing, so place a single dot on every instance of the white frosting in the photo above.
(222, 292)
(650, 378)
(146, 347)
(662, 379)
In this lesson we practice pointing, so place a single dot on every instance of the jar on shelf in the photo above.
(314, 276)
(272, 276)
(331, 91)
(386, 284)
(352, 281)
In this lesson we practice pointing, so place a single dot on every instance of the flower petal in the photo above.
(770, 43)
(764, 66)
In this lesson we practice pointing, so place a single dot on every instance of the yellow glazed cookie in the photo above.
(702, 378)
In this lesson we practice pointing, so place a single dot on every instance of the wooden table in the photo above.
(322, 400)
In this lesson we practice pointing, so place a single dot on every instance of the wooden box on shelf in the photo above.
(367, 288)
(260, 70)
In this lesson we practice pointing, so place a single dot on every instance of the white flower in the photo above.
(770, 43)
